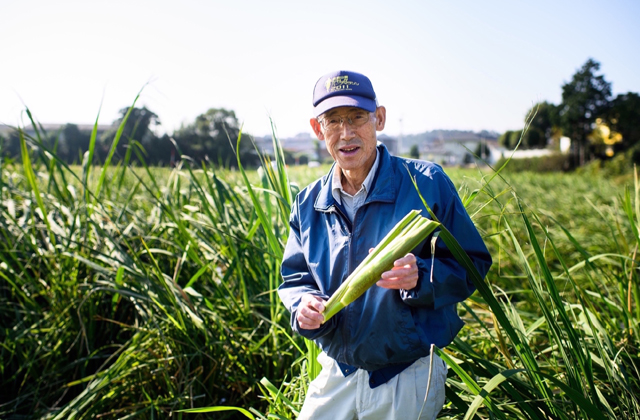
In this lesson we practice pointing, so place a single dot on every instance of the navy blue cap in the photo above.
(343, 88)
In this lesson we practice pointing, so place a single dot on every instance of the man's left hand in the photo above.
(403, 275)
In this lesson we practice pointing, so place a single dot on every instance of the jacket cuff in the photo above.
(323, 330)
(423, 294)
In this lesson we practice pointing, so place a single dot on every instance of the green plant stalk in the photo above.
(405, 236)
(337, 295)
(385, 260)
(267, 224)
(405, 225)
(31, 178)
(114, 145)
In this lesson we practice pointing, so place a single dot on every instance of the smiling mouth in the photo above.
(349, 149)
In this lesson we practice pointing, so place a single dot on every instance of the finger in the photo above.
(399, 267)
(318, 305)
(304, 324)
(398, 272)
(311, 301)
(405, 283)
(399, 279)
(311, 314)
(408, 259)
(307, 322)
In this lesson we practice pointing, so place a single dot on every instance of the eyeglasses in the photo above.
(354, 119)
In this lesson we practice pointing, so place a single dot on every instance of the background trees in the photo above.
(10, 145)
(584, 98)
(73, 144)
(543, 126)
(585, 111)
(509, 139)
(624, 118)
(138, 131)
(414, 152)
(212, 136)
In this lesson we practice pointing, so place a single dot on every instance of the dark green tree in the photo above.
(505, 140)
(482, 151)
(624, 118)
(544, 125)
(414, 152)
(213, 136)
(138, 128)
(510, 138)
(584, 98)
(73, 143)
(514, 138)
(11, 145)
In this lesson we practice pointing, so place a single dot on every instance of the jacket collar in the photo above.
(383, 188)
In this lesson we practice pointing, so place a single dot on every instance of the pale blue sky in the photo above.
(434, 64)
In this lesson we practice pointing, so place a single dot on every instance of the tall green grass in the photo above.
(129, 292)
(148, 292)
(561, 343)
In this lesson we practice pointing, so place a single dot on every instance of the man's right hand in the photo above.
(310, 312)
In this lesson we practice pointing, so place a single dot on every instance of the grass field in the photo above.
(142, 292)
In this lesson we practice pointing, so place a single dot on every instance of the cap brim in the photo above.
(343, 100)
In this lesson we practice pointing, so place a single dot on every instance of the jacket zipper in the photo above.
(345, 331)
(345, 315)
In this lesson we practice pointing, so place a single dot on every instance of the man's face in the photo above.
(353, 147)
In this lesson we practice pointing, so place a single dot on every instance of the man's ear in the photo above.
(317, 129)
(381, 118)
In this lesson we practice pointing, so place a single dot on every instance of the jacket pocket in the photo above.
(410, 335)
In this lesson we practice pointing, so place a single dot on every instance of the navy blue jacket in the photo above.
(383, 327)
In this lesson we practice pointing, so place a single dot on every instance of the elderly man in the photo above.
(376, 352)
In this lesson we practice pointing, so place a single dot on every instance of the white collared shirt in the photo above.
(352, 203)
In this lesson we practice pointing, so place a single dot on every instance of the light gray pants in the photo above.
(331, 396)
